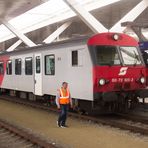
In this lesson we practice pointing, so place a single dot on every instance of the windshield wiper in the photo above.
(136, 58)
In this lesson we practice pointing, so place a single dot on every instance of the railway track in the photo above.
(135, 124)
(133, 117)
(12, 136)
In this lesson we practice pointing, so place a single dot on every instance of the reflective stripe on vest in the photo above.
(64, 97)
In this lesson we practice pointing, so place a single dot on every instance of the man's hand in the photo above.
(71, 106)
(58, 107)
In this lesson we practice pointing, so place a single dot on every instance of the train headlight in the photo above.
(115, 37)
(102, 82)
(142, 80)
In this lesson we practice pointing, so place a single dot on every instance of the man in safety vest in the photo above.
(63, 99)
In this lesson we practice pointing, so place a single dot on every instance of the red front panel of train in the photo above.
(118, 78)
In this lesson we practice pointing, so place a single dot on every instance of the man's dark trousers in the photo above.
(63, 114)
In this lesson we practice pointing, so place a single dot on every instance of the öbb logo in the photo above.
(123, 71)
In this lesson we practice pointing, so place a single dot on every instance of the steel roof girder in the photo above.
(20, 35)
(130, 16)
(57, 32)
(86, 17)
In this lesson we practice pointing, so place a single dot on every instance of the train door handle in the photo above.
(35, 81)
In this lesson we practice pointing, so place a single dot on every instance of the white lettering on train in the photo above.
(120, 80)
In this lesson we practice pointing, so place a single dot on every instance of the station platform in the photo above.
(80, 134)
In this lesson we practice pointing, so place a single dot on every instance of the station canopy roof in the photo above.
(46, 13)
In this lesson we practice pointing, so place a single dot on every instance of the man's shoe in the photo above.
(64, 126)
(58, 124)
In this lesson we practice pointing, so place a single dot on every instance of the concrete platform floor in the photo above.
(80, 134)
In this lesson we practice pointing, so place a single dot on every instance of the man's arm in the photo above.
(71, 104)
(57, 99)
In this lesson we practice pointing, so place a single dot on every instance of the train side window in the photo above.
(18, 66)
(38, 64)
(1, 68)
(9, 67)
(49, 65)
(74, 55)
(28, 66)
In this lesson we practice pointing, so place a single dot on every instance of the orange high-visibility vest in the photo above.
(64, 96)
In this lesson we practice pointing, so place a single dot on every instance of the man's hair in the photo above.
(64, 83)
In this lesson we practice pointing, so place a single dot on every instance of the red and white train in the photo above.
(105, 72)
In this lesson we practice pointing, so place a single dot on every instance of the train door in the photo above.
(38, 75)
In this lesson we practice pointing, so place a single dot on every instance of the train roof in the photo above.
(111, 38)
(67, 41)
(98, 39)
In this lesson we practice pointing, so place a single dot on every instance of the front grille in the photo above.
(121, 86)
(118, 86)
(127, 86)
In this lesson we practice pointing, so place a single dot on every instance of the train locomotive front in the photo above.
(119, 75)
(144, 50)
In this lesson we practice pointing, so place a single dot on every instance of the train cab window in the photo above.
(28, 66)
(107, 55)
(49, 65)
(18, 66)
(130, 56)
(38, 64)
(145, 58)
(9, 67)
(1, 68)
(74, 55)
